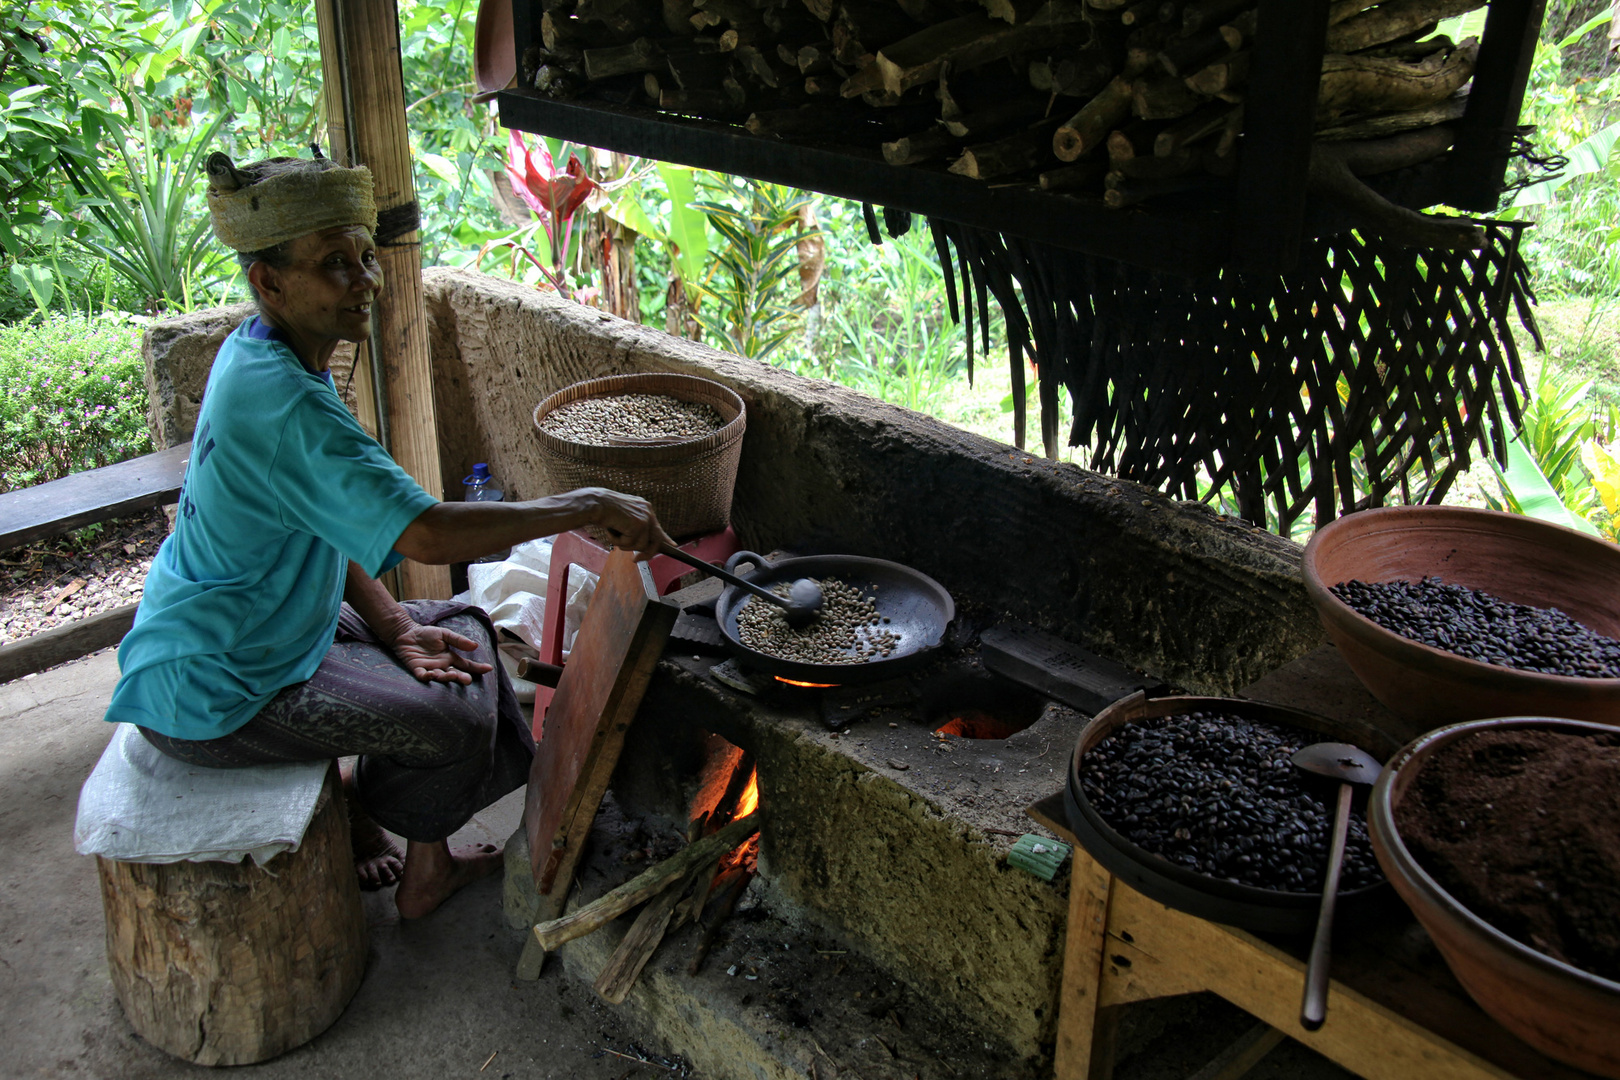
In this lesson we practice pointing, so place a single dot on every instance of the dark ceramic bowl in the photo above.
(1216, 899)
(1508, 555)
(1568, 1014)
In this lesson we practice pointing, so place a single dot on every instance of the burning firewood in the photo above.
(638, 890)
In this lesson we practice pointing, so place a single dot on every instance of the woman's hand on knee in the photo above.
(430, 653)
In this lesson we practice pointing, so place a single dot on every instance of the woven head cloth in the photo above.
(258, 206)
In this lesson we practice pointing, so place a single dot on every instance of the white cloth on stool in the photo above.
(142, 806)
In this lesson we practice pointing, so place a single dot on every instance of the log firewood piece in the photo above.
(1143, 11)
(1184, 55)
(1201, 124)
(976, 39)
(1088, 129)
(817, 86)
(733, 89)
(1227, 74)
(678, 16)
(622, 969)
(1369, 84)
(981, 124)
(1180, 163)
(625, 18)
(649, 883)
(814, 58)
(1228, 140)
(1334, 173)
(1240, 31)
(1413, 48)
(1084, 174)
(1135, 139)
(1209, 14)
(1374, 127)
(731, 891)
(790, 22)
(1107, 5)
(699, 69)
(1142, 49)
(1392, 20)
(734, 13)
(759, 67)
(923, 146)
(1340, 10)
(1010, 154)
(1121, 190)
(564, 33)
(1010, 11)
(1163, 97)
(643, 54)
(864, 81)
(652, 88)
(864, 26)
(733, 39)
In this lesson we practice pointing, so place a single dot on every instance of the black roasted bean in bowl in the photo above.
(1195, 803)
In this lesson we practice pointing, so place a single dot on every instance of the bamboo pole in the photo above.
(365, 111)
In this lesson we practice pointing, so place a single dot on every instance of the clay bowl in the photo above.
(494, 51)
(1509, 555)
(1246, 906)
(1568, 1014)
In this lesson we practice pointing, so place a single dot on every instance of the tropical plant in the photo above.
(151, 231)
(555, 196)
(755, 304)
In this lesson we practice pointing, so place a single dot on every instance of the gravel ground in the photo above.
(47, 584)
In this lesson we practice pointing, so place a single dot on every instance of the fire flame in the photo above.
(750, 796)
(813, 685)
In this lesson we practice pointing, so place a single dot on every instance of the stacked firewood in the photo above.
(1128, 97)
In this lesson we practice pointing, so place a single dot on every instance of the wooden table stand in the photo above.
(1394, 1010)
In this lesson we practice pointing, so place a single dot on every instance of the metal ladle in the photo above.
(801, 605)
(1348, 765)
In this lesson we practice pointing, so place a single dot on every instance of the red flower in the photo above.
(535, 179)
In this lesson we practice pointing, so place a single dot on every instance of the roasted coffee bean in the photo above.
(1220, 795)
(849, 629)
(605, 421)
(1482, 627)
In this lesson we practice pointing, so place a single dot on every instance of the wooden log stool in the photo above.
(232, 963)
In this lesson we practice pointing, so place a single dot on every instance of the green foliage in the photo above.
(150, 229)
(753, 285)
(71, 397)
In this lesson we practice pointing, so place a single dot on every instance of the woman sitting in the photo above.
(263, 635)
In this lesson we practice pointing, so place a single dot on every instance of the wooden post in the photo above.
(365, 110)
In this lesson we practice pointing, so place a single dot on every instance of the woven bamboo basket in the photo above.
(688, 482)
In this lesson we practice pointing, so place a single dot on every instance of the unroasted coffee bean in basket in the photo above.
(849, 630)
(619, 418)
(1479, 626)
(1218, 794)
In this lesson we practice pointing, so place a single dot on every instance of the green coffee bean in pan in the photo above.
(849, 630)
(600, 421)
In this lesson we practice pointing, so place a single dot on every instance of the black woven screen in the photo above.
(1369, 370)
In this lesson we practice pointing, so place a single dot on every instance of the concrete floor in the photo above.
(438, 996)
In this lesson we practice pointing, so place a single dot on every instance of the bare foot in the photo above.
(377, 860)
(433, 872)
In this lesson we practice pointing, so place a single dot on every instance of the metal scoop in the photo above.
(801, 605)
(1348, 765)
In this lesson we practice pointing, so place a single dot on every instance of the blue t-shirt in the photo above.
(282, 490)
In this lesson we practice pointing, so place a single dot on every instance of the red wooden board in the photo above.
(619, 641)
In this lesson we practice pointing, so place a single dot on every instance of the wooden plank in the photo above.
(67, 642)
(84, 498)
(619, 642)
(1279, 122)
(360, 68)
(1153, 951)
(1244, 1053)
(1089, 888)
(1059, 669)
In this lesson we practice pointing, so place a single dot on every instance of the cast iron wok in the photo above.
(918, 608)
